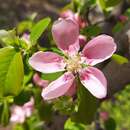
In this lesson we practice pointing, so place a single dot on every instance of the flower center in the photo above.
(73, 63)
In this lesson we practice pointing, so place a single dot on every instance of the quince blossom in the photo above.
(74, 63)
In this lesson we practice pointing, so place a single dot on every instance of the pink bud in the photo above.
(104, 115)
(74, 16)
(82, 40)
(123, 18)
(40, 82)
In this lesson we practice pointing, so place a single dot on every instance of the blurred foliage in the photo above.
(118, 108)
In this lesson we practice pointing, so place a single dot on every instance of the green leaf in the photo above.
(45, 111)
(92, 30)
(111, 3)
(110, 124)
(87, 108)
(118, 27)
(7, 37)
(23, 97)
(24, 26)
(119, 59)
(69, 125)
(38, 29)
(11, 71)
(52, 76)
(102, 4)
(18, 127)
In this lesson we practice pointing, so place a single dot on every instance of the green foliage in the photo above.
(38, 29)
(52, 76)
(12, 73)
(92, 30)
(105, 5)
(7, 37)
(110, 124)
(23, 97)
(69, 125)
(24, 26)
(119, 59)
(117, 28)
(4, 114)
(65, 105)
(118, 109)
(87, 107)
(45, 111)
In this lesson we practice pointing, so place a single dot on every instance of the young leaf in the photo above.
(38, 29)
(11, 71)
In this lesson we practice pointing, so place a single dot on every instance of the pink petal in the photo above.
(72, 89)
(95, 81)
(58, 87)
(47, 62)
(28, 107)
(17, 114)
(40, 82)
(99, 49)
(65, 33)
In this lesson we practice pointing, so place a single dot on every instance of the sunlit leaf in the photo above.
(38, 29)
(69, 125)
(119, 59)
(11, 71)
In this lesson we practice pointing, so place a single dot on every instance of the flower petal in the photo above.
(99, 49)
(72, 89)
(47, 62)
(17, 114)
(28, 107)
(65, 33)
(58, 87)
(95, 81)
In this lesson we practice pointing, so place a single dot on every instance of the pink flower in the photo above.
(74, 16)
(19, 113)
(40, 82)
(123, 18)
(66, 35)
